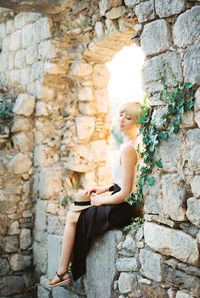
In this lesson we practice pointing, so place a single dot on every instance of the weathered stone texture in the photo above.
(50, 182)
(179, 278)
(127, 282)
(193, 211)
(99, 281)
(151, 74)
(155, 37)
(173, 195)
(127, 264)
(169, 242)
(168, 8)
(186, 28)
(145, 11)
(192, 64)
(24, 105)
(151, 264)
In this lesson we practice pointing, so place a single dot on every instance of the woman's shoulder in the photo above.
(129, 149)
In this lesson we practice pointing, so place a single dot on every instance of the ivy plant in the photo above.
(178, 99)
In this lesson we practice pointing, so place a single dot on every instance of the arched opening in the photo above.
(125, 85)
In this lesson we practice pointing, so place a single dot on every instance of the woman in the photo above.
(104, 211)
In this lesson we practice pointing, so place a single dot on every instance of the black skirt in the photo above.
(93, 222)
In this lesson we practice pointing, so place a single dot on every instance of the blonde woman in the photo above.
(99, 210)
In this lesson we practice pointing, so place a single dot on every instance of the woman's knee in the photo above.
(72, 217)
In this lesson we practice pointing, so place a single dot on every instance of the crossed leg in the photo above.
(67, 245)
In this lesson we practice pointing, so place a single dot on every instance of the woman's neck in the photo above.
(130, 139)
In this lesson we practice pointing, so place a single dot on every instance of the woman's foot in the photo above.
(60, 279)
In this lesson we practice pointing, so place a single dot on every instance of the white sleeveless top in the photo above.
(117, 168)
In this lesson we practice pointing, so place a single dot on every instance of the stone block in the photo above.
(5, 267)
(153, 291)
(27, 35)
(11, 60)
(80, 69)
(14, 228)
(4, 62)
(181, 279)
(182, 294)
(171, 242)
(87, 108)
(54, 225)
(151, 264)
(11, 285)
(195, 185)
(2, 31)
(40, 256)
(22, 142)
(189, 269)
(99, 30)
(42, 109)
(189, 228)
(115, 12)
(127, 282)
(169, 152)
(188, 120)
(54, 250)
(11, 244)
(173, 194)
(31, 54)
(85, 127)
(104, 5)
(40, 215)
(101, 76)
(152, 202)
(197, 100)
(101, 271)
(43, 156)
(85, 94)
(3, 224)
(24, 105)
(185, 30)
(44, 25)
(197, 118)
(20, 20)
(155, 37)
(47, 93)
(46, 50)
(50, 182)
(42, 292)
(151, 74)
(168, 8)
(145, 11)
(63, 293)
(9, 26)
(20, 59)
(16, 40)
(20, 163)
(192, 64)
(20, 262)
(193, 211)
(129, 244)
(127, 264)
(25, 238)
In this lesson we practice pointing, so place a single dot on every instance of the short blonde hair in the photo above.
(132, 109)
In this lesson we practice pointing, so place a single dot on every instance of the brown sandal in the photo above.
(61, 282)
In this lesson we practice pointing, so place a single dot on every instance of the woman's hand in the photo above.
(96, 200)
(96, 190)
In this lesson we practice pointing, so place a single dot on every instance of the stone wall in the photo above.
(16, 208)
(60, 61)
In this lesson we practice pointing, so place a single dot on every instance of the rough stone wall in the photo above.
(16, 208)
(60, 60)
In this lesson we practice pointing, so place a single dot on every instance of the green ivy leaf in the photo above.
(158, 163)
(150, 181)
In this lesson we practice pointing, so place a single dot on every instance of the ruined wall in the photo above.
(60, 60)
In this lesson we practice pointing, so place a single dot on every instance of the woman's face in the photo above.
(126, 122)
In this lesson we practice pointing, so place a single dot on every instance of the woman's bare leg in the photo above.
(67, 244)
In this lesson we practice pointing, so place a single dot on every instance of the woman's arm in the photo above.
(98, 190)
(128, 162)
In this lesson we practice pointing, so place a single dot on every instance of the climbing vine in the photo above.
(178, 100)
